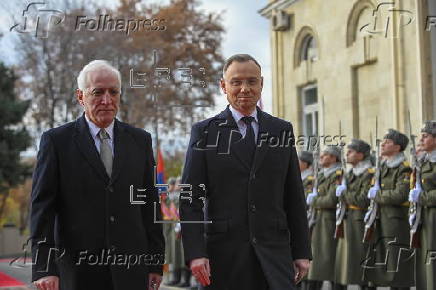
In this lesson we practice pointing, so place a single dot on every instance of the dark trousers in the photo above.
(313, 285)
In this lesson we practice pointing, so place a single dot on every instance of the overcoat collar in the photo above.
(86, 146)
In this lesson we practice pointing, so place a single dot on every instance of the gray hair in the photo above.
(239, 58)
(82, 79)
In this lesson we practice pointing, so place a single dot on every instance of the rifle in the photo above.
(341, 206)
(371, 214)
(415, 208)
(311, 213)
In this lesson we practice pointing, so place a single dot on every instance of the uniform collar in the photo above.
(431, 156)
(395, 161)
(331, 169)
(361, 167)
(306, 172)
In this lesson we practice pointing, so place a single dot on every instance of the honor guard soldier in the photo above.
(350, 251)
(390, 260)
(168, 228)
(324, 201)
(424, 194)
(185, 278)
(305, 160)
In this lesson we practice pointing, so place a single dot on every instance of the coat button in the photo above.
(110, 188)
(112, 218)
(253, 176)
(253, 208)
(254, 240)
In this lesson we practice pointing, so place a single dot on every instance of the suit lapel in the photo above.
(120, 148)
(264, 127)
(86, 146)
(230, 131)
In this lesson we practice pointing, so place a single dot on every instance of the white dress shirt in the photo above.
(241, 125)
(93, 129)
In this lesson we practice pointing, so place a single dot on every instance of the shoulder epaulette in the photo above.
(310, 177)
(371, 170)
(406, 164)
(338, 172)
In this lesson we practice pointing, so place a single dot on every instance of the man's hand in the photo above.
(154, 281)
(201, 270)
(301, 267)
(47, 283)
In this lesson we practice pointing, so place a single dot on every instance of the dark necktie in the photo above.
(249, 139)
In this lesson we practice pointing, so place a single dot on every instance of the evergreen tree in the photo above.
(14, 137)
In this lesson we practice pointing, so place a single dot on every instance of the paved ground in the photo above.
(18, 273)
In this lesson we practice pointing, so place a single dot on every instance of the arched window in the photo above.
(308, 49)
(306, 46)
(360, 15)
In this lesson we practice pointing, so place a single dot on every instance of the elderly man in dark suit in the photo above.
(243, 182)
(92, 223)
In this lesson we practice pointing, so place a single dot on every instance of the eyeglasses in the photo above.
(100, 92)
(249, 83)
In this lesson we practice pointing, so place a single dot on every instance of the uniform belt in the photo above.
(355, 207)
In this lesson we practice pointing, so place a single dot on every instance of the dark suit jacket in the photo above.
(78, 211)
(256, 209)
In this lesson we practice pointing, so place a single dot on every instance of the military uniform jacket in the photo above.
(323, 242)
(308, 181)
(390, 261)
(350, 252)
(425, 261)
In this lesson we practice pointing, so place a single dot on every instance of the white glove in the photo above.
(414, 194)
(177, 228)
(367, 215)
(412, 219)
(372, 192)
(310, 197)
(340, 189)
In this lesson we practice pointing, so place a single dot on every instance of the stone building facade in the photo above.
(347, 62)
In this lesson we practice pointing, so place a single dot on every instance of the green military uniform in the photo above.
(323, 242)
(307, 177)
(307, 174)
(168, 230)
(426, 255)
(390, 261)
(351, 252)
